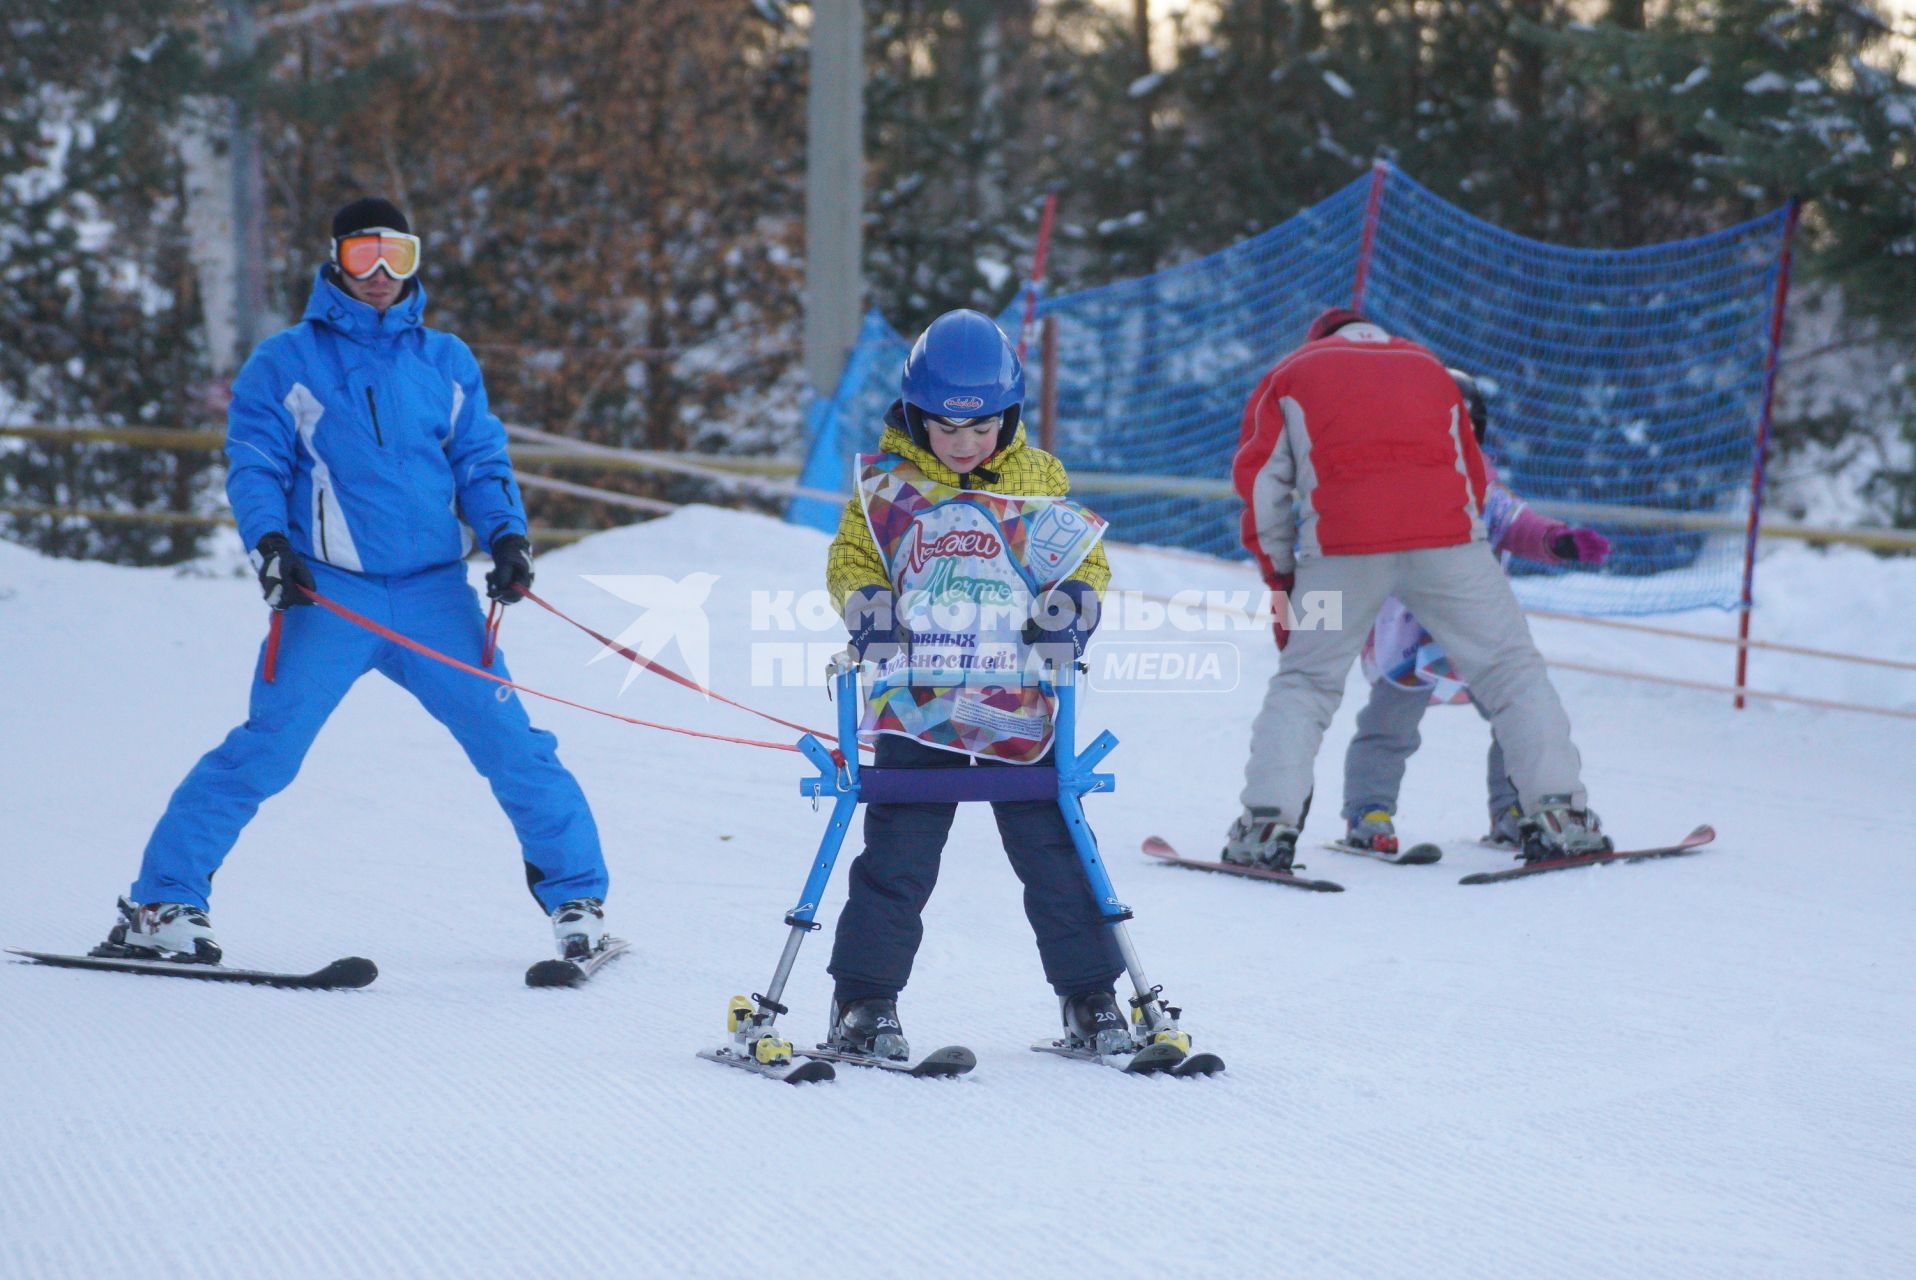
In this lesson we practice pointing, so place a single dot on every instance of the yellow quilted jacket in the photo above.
(854, 561)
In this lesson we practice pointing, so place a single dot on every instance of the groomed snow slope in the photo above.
(1689, 1068)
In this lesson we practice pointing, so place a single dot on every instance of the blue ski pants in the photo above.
(891, 881)
(320, 657)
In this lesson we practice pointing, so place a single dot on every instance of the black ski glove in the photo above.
(1066, 616)
(282, 573)
(511, 568)
(870, 620)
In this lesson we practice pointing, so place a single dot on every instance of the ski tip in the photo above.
(351, 972)
(555, 973)
(811, 1071)
(952, 1060)
(1198, 1064)
(1704, 834)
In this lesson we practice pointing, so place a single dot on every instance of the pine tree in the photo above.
(98, 316)
(955, 117)
(1771, 99)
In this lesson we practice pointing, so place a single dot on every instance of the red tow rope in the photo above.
(495, 614)
(270, 664)
(387, 633)
(670, 674)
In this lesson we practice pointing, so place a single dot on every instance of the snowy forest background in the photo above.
(611, 191)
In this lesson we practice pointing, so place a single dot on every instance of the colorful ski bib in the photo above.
(966, 567)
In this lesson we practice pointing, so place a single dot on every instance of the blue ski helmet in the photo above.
(962, 367)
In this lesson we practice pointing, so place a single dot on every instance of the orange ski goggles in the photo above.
(364, 252)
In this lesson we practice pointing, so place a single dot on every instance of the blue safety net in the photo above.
(1626, 387)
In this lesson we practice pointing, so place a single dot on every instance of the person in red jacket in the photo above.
(1361, 480)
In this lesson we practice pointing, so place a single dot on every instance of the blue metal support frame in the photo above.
(838, 780)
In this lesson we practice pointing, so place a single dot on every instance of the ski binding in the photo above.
(756, 1046)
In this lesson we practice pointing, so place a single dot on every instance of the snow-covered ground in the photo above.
(1689, 1068)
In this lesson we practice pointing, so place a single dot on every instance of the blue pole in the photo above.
(837, 777)
(1076, 779)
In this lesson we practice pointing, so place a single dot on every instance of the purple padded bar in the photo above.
(942, 786)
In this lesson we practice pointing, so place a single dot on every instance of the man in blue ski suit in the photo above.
(361, 462)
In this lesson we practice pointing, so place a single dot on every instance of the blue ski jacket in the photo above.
(366, 439)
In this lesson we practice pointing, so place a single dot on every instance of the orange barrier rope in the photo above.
(1732, 690)
(1771, 645)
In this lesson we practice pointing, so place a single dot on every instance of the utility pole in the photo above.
(249, 194)
(834, 189)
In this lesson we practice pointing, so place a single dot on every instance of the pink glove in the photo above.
(1580, 546)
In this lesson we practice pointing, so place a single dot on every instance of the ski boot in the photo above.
(1506, 828)
(578, 927)
(1260, 838)
(1556, 830)
(1093, 1021)
(1372, 829)
(870, 1027)
(171, 931)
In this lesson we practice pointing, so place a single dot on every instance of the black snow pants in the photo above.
(880, 928)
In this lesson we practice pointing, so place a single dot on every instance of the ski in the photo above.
(344, 974)
(1416, 856)
(1158, 847)
(807, 1072)
(952, 1060)
(1691, 843)
(1152, 1059)
(575, 973)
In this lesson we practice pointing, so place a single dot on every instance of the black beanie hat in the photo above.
(370, 211)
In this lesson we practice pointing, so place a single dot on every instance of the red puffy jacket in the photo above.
(1355, 444)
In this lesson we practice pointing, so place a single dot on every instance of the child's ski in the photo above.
(1159, 847)
(347, 973)
(787, 1070)
(1152, 1059)
(1691, 843)
(952, 1060)
(1416, 856)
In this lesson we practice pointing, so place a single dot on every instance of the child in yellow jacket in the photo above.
(955, 431)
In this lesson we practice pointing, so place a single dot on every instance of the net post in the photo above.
(1379, 168)
(1760, 464)
(1037, 270)
(1048, 389)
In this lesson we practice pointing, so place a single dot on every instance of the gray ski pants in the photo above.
(1387, 737)
(1461, 596)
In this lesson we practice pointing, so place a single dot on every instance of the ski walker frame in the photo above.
(841, 780)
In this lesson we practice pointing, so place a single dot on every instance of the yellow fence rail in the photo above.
(773, 477)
